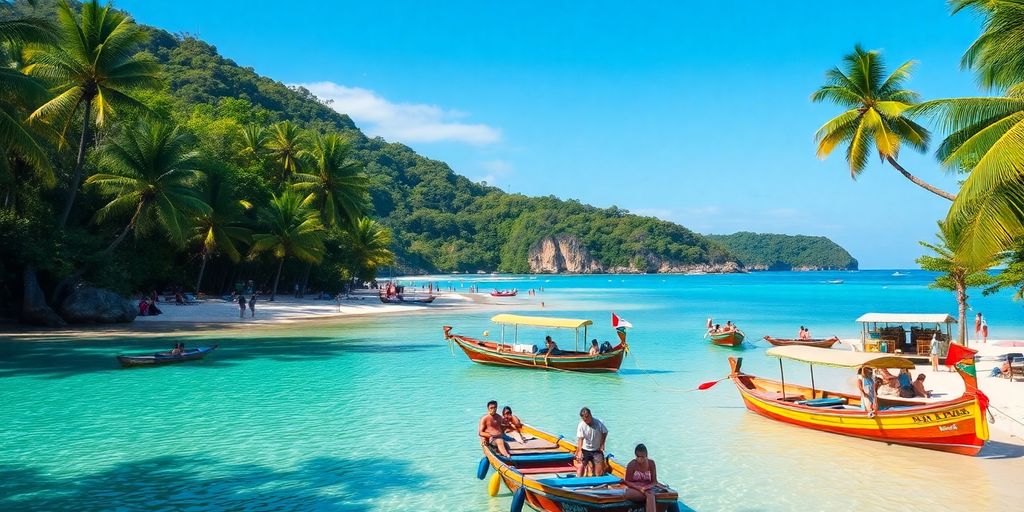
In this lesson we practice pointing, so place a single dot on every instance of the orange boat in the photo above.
(956, 425)
(516, 354)
(809, 342)
(540, 473)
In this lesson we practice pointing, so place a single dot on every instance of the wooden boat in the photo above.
(541, 474)
(809, 342)
(505, 293)
(727, 339)
(162, 358)
(956, 425)
(516, 354)
(401, 299)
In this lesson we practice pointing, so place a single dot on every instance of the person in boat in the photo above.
(550, 347)
(642, 479)
(716, 329)
(887, 378)
(511, 423)
(868, 395)
(490, 430)
(800, 334)
(729, 327)
(179, 349)
(906, 384)
(591, 435)
(919, 390)
(595, 349)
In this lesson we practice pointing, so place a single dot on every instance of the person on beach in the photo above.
(511, 423)
(241, 306)
(595, 349)
(252, 305)
(153, 310)
(642, 479)
(591, 435)
(933, 353)
(868, 397)
(919, 390)
(981, 328)
(490, 431)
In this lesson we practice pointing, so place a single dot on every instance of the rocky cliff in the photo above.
(555, 255)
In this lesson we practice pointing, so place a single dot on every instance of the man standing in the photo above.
(491, 431)
(981, 328)
(591, 435)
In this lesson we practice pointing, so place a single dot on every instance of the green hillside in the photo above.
(786, 252)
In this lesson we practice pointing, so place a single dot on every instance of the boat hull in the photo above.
(490, 353)
(407, 300)
(505, 294)
(819, 342)
(956, 426)
(727, 339)
(160, 359)
(519, 477)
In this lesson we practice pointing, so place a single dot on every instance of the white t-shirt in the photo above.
(592, 434)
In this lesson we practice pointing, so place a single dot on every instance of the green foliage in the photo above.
(785, 252)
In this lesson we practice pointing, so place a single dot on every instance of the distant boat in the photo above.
(505, 293)
(809, 342)
(835, 281)
(898, 274)
(162, 358)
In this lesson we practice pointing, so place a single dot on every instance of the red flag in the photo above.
(957, 352)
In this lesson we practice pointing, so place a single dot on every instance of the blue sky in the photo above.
(694, 113)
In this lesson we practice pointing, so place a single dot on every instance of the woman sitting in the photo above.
(594, 348)
(642, 479)
(919, 390)
(906, 384)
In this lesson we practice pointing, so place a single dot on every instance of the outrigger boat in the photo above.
(732, 338)
(541, 474)
(505, 293)
(956, 425)
(809, 342)
(514, 353)
(162, 358)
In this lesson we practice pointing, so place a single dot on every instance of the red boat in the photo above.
(809, 342)
(733, 338)
(517, 354)
(505, 293)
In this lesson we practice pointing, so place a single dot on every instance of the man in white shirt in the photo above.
(591, 435)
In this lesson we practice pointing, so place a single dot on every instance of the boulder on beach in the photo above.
(34, 309)
(96, 305)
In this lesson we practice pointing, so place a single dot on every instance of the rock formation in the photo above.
(34, 309)
(554, 255)
(96, 305)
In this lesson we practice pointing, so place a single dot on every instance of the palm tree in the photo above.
(222, 227)
(876, 105)
(287, 148)
(986, 135)
(94, 67)
(336, 184)
(370, 244)
(152, 174)
(254, 143)
(958, 272)
(290, 228)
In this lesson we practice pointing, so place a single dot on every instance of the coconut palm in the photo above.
(287, 148)
(876, 105)
(254, 143)
(370, 244)
(94, 67)
(335, 184)
(998, 53)
(220, 229)
(289, 228)
(151, 176)
(958, 273)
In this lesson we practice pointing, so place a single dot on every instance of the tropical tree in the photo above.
(222, 227)
(289, 227)
(286, 146)
(370, 244)
(958, 273)
(876, 114)
(94, 67)
(254, 142)
(335, 184)
(151, 176)
(985, 135)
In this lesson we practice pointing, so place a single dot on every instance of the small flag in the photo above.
(619, 323)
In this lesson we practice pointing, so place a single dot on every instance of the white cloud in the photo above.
(402, 122)
(497, 171)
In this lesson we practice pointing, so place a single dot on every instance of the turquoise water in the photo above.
(378, 414)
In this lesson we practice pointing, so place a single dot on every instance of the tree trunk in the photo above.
(120, 238)
(202, 268)
(961, 302)
(305, 280)
(277, 278)
(76, 175)
(917, 181)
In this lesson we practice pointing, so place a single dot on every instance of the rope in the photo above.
(636, 362)
(1004, 413)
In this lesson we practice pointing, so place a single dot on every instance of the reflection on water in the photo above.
(381, 415)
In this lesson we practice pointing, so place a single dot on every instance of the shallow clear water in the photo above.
(378, 414)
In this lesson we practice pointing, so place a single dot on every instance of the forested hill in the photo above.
(786, 252)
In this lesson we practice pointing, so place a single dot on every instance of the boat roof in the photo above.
(839, 358)
(907, 318)
(540, 321)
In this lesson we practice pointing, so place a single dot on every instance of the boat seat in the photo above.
(587, 481)
(541, 457)
(552, 471)
(531, 443)
(823, 402)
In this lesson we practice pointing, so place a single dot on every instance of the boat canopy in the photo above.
(907, 318)
(839, 358)
(540, 321)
